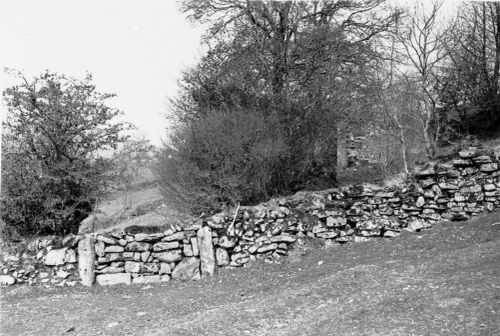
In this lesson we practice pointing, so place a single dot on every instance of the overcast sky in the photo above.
(136, 49)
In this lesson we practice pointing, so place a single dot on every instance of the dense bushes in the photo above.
(52, 169)
(223, 158)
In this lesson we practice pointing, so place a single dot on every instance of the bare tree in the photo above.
(424, 42)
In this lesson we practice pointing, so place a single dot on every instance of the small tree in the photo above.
(55, 133)
(222, 159)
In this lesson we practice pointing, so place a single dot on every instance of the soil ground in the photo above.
(443, 281)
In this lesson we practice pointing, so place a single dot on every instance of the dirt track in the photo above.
(445, 281)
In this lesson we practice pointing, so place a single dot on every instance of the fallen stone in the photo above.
(417, 225)
(391, 234)
(370, 233)
(187, 269)
(114, 279)
(358, 239)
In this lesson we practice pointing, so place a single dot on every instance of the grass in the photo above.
(443, 281)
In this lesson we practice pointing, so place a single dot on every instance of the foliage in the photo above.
(55, 133)
(300, 64)
(474, 72)
(223, 158)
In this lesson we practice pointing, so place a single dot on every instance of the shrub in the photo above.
(221, 159)
(54, 135)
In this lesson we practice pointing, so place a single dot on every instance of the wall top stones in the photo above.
(464, 186)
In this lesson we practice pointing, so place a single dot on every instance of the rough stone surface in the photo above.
(168, 256)
(86, 261)
(137, 247)
(146, 279)
(55, 257)
(114, 279)
(165, 268)
(221, 256)
(164, 246)
(7, 280)
(173, 237)
(207, 254)
(187, 269)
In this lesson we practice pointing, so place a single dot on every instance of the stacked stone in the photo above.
(454, 190)
(47, 262)
(463, 187)
(177, 253)
(251, 235)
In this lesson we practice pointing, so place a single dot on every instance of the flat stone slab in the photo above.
(114, 279)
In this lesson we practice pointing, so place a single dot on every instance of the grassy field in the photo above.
(444, 281)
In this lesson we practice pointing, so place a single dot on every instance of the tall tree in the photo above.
(297, 59)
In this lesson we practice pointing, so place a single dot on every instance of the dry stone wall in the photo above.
(48, 262)
(454, 190)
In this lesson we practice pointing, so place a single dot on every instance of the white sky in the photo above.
(136, 49)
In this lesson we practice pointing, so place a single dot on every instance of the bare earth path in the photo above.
(445, 281)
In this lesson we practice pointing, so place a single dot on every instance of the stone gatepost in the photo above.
(207, 255)
(86, 261)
